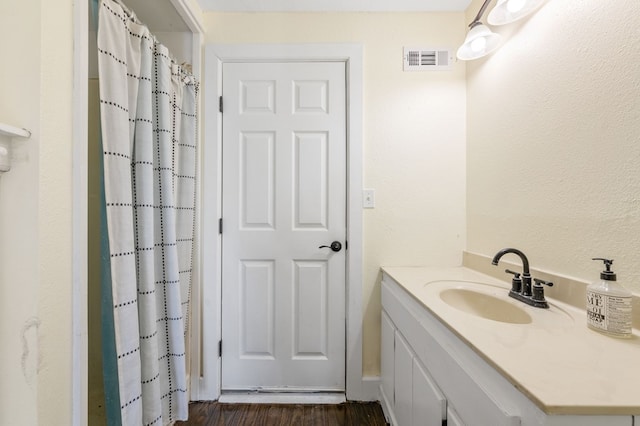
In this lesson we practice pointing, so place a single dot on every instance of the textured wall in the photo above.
(19, 99)
(54, 213)
(414, 136)
(36, 42)
(553, 140)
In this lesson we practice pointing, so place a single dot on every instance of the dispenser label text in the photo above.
(609, 313)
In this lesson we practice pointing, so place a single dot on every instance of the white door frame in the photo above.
(206, 363)
(79, 340)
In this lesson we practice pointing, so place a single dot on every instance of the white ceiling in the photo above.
(334, 5)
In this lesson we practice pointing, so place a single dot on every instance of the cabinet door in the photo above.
(429, 404)
(452, 418)
(387, 348)
(403, 382)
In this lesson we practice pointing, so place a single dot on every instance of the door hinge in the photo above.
(220, 349)
(220, 226)
(220, 104)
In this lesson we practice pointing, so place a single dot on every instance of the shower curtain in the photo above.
(148, 121)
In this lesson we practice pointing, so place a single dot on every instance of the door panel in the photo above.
(257, 318)
(257, 175)
(284, 196)
(310, 180)
(310, 309)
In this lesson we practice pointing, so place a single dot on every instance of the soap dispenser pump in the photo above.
(609, 304)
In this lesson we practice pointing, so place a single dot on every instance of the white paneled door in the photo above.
(284, 196)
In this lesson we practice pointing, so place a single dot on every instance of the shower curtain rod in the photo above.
(132, 15)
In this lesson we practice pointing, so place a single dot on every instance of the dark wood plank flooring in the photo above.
(347, 414)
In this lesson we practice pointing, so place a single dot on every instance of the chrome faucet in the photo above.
(521, 288)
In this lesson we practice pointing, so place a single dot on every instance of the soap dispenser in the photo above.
(609, 304)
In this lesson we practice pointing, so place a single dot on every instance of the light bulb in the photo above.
(479, 44)
(514, 6)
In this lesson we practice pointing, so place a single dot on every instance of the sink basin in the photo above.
(491, 302)
(485, 305)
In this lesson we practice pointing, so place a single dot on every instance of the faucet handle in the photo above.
(516, 282)
(538, 292)
(541, 282)
(516, 275)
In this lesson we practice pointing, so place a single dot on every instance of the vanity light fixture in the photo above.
(508, 11)
(480, 40)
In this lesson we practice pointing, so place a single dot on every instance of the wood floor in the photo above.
(350, 413)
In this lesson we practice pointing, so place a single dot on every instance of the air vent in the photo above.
(427, 59)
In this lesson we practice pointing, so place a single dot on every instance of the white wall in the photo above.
(35, 214)
(19, 215)
(414, 139)
(553, 140)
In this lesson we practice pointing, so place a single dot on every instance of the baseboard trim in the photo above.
(282, 398)
(370, 388)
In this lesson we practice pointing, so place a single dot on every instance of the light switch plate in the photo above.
(368, 198)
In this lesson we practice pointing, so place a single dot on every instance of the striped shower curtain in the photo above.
(148, 121)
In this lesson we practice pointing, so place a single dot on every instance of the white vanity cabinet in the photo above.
(453, 419)
(428, 404)
(387, 360)
(417, 374)
(430, 376)
(406, 386)
(403, 381)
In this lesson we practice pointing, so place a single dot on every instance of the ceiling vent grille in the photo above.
(427, 59)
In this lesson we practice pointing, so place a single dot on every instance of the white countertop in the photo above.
(556, 360)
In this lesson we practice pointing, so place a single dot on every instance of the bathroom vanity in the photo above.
(456, 350)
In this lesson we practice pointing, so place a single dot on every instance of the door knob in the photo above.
(335, 246)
